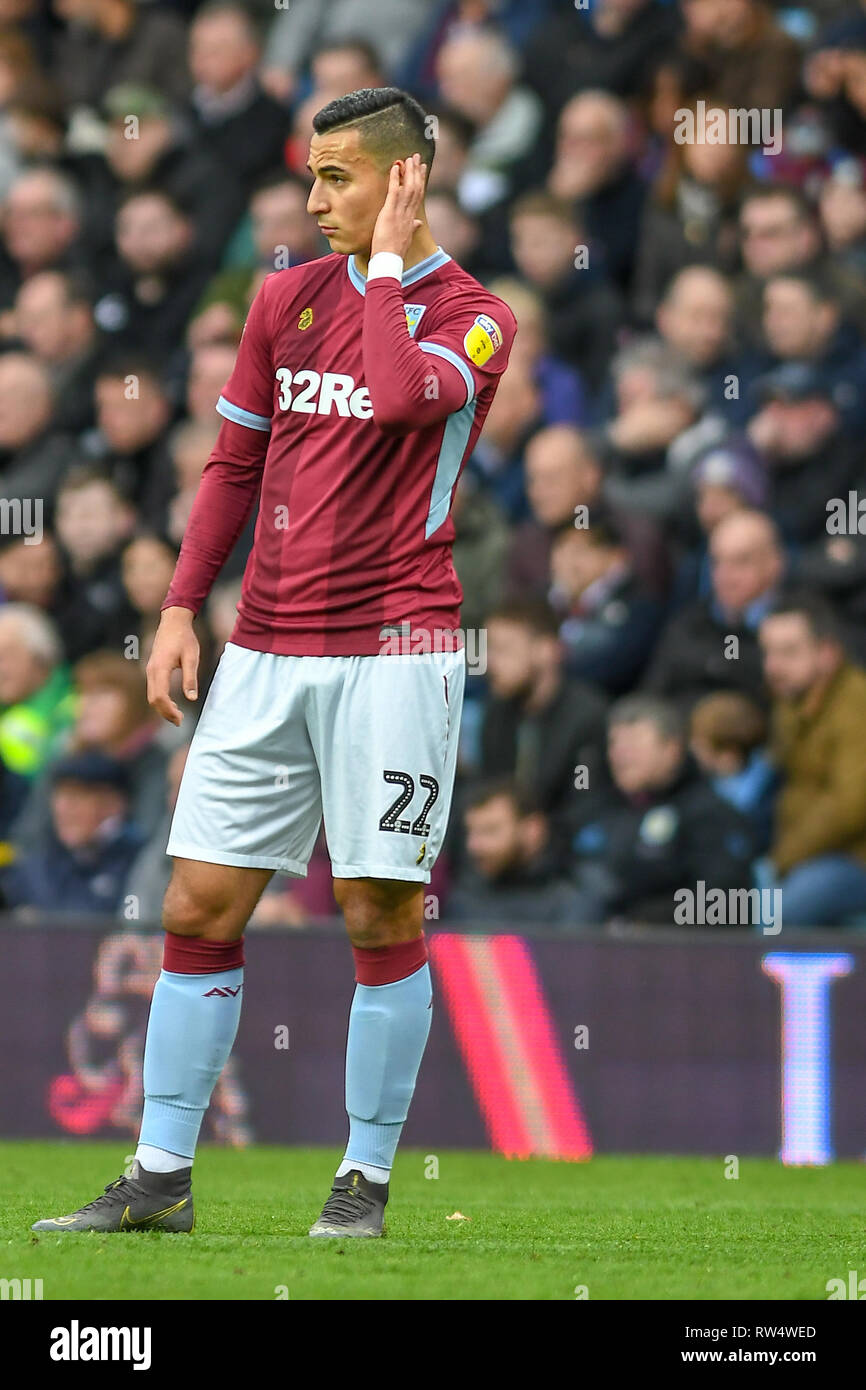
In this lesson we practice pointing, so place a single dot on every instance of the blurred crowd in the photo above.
(661, 534)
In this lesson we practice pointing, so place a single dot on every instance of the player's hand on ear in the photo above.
(398, 220)
(175, 646)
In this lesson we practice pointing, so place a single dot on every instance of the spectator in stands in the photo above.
(151, 868)
(662, 828)
(328, 38)
(712, 644)
(728, 734)
(657, 432)
(690, 216)
(190, 446)
(695, 317)
(583, 311)
(481, 537)
(166, 155)
(118, 41)
(798, 430)
(819, 699)
(477, 71)
(53, 316)
(539, 725)
(133, 413)
(615, 45)
(779, 232)
(727, 477)
(80, 865)
(42, 224)
(158, 277)
(564, 396)
(35, 692)
(607, 620)
(148, 565)
(593, 167)
(33, 453)
(455, 230)
(740, 52)
(210, 367)
(512, 875)
(803, 323)
(565, 486)
(283, 234)
(13, 792)
(112, 717)
(93, 522)
(513, 416)
(842, 209)
(30, 573)
(834, 76)
(241, 123)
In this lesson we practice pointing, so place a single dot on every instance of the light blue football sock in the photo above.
(388, 1028)
(190, 1033)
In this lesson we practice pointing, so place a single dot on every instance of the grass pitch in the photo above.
(622, 1228)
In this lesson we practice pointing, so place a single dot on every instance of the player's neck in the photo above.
(422, 245)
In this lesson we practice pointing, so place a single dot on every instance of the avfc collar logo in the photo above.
(413, 316)
(306, 319)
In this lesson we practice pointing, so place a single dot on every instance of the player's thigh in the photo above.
(213, 902)
(387, 750)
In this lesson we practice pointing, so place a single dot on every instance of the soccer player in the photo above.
(361, 384)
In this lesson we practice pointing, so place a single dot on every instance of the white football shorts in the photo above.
(368, 742)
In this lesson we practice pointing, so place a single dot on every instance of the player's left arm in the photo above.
(412, 383)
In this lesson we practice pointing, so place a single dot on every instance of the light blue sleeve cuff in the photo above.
(233, 412)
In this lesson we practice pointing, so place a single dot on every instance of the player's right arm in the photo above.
(226, 496)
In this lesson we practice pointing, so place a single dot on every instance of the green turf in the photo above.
(625, 1228)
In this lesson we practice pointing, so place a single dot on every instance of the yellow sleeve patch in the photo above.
(483, 339)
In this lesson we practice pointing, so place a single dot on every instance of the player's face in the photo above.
(348, 192)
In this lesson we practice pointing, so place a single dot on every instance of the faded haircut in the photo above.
(391, 123)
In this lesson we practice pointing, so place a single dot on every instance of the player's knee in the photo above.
(380, 912)
(189, 913)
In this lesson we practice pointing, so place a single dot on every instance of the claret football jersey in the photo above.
(354, 535)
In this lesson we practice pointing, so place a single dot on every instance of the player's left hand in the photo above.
(398, 221)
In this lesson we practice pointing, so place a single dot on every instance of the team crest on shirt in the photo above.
(306, 319)
(483, 339)
(413, 316)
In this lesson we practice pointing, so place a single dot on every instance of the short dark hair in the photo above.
(604, 530)
(489, 789)
(123, 364)
(392, 124)
(178, 203)
(799, 201)
(213, 8)
(817, 283)
(460, 126)
(82, 475)
(350, 43)
(535, 614)
(539, 203)
(280, 178)
(667, 717)
(819, 615)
